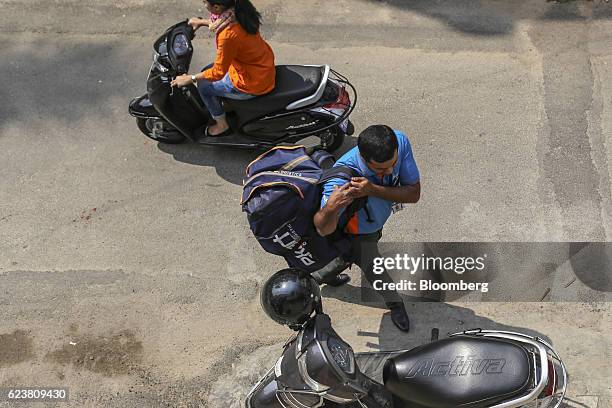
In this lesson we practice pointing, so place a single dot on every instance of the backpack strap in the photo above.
(343, 172)
(347, 173)
(367, 211)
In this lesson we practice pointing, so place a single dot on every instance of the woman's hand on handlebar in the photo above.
(196, 22)
(181, 80)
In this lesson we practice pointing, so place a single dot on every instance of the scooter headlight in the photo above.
(157, 64)
(180, 45)
(342, 354)
(163, 48)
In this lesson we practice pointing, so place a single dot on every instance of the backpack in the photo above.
(282, 193)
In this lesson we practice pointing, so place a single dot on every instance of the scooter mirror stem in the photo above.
(191, 31)
(319, 305)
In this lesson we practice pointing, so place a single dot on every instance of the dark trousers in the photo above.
(365, 250)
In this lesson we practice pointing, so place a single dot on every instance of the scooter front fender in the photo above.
(263, 395)
(142, 107)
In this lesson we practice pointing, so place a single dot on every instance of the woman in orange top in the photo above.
(244, 66)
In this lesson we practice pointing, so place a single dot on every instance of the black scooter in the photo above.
(472, 369)
(307, 101)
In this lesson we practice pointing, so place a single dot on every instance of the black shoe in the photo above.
(399, 317)
(338, 280)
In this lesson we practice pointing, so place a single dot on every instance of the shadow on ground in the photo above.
(65, 83)
(425, 314)
(229, 163)
(473, 17)
(492, 18)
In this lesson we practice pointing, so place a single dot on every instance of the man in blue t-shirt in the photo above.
(390, 177)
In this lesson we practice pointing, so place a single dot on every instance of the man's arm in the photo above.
(326, 219)
(402, 194)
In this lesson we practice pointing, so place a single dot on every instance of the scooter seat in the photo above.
(293, 83)
(460, 371)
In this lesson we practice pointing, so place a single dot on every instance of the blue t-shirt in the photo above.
(405, 172)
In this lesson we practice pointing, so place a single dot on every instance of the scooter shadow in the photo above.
(229, 163)
(425, 316)
(348, 144)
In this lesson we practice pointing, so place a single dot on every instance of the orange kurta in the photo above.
(248, 59)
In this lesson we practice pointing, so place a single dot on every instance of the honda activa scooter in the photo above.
(472, 369)
(306, 101)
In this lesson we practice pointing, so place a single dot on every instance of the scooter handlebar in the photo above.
(190, 31)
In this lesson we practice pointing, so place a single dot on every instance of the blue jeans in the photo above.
(211, 91)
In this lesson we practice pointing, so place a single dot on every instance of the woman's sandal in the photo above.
(224, 133)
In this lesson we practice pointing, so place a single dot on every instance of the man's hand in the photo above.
(326, 219)
(341, 197)
(181, 80)
(361, 187)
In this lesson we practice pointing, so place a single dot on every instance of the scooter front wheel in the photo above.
(147, 127)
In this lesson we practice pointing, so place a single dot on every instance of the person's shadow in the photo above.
(425, 315)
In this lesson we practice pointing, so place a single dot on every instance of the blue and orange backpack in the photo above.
(282, 193)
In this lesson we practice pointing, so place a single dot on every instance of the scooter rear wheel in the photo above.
(332, 139)
(168, 137)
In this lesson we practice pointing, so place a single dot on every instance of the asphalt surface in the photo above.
(138, 252)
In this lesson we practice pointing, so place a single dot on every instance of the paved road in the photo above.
(138, 252)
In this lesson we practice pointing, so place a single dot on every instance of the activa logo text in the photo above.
(460, 366)
(303, 125)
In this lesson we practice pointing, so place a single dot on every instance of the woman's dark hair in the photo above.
(246, 13)
(247, 16)
(378, 143)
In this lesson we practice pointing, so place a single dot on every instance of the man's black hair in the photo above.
(377, 143)
(246, 14)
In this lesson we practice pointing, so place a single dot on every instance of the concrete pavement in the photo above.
(139, 253)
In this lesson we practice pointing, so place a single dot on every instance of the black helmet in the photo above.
(290, 296)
